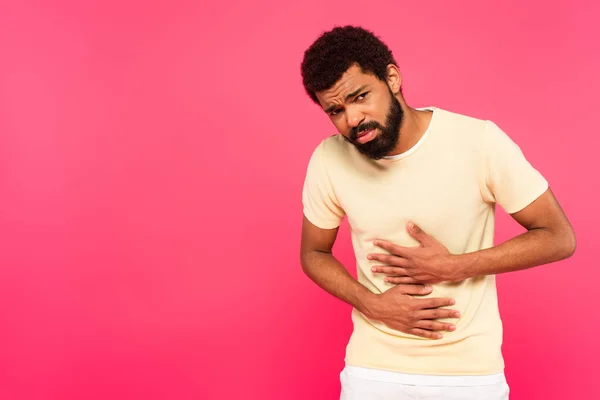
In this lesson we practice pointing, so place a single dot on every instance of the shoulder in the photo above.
(466, 124)
(467, 131)
(333, 148)
(335, 145)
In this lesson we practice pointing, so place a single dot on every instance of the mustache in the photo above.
(367, 126)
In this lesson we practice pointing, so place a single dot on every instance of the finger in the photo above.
(388, 259)
(434, 302)
(397, 280)
(437, 313)
(385, 269)
(413, 289)
(435, 326)
(391, 247)
(426, 334)
(425, 279)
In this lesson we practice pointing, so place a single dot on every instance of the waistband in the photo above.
(423, 380)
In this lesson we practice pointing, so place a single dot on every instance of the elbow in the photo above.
(302, 260)
(305, 261)
(569, 243)
(572, 246)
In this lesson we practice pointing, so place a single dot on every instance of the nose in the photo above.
(354, 117)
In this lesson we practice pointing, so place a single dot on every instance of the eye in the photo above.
(362, 96)
(336, 112)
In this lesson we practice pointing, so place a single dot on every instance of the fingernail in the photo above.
(452, 302)
(428, 287)
(369, 257)
(411, 225)
(451, 328)
(457, 314)
(374, 269)
(438, 336)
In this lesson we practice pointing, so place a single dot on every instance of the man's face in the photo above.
(364, 111)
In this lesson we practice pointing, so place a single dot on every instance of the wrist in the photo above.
(367, 303)
(458, 268)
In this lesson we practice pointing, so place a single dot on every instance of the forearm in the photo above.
(327, 272)
(532, 248)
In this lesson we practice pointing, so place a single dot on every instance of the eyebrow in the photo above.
(350, 95)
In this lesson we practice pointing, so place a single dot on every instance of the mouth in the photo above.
(366, 136)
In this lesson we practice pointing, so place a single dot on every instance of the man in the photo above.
(419, 189)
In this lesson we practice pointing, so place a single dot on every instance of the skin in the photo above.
(371, 103)
(549, 236)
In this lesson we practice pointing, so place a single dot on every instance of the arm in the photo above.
(319, 264)
(321, 206)
(549, 238)
(510, 181)
(395, 307)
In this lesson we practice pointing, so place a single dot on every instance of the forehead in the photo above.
(350, 80)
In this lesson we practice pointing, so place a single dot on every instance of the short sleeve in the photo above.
(510, 180)
(320, 204)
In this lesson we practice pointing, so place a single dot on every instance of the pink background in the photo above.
(152, 158)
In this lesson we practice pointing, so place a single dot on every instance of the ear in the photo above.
(394, 79)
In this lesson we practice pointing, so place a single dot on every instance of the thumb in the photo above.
(416, 290)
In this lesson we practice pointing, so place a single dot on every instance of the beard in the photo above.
(389, 134)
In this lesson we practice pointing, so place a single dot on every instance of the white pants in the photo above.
(370, 384)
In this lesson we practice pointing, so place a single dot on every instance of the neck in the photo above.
(414, 125)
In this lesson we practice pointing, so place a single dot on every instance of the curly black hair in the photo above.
(326, 60)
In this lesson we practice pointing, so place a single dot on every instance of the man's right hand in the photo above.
(398, 309)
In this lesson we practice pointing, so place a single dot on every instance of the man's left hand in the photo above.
(430, 262)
